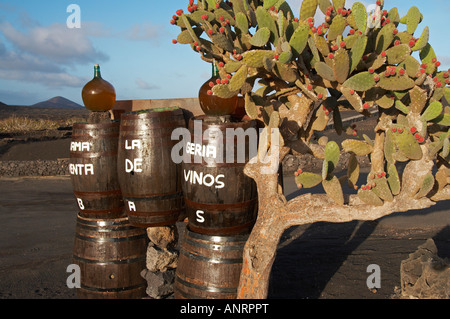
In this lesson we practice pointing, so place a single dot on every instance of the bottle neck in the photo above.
(215, 69)
(97, 73)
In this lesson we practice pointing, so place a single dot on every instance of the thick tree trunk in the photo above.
(276, 215)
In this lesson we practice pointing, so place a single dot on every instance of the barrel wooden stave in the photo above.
(93, 169)
(209, 267)
(149, 179)
(111, 255)
(228, 206)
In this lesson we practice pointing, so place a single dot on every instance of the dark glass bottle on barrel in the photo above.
(98, 94)
(211, 104)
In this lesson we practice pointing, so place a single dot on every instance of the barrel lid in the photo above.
(156, 110)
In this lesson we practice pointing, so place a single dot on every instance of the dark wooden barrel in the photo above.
(220, 199)
(111, 255)
(209, 267)
(150, 180)
(93, 170)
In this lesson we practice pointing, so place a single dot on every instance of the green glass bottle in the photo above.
(98, 95)
(213, 105)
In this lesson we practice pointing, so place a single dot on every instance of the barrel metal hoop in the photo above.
(162, 214)
(93, 155)
(213, 164)
(109, 262)
(121, 289)
(204, 288)
(86, 126)
(103, 223)
(104, 212)
(106, 229)
(214, 247)
(88, 137)
(210, 259)
(213, 207)
(218, 239)
(110, 240)
(152, 197)
(98, 194)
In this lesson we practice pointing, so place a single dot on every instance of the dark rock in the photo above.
(159, 284)
(425, 275)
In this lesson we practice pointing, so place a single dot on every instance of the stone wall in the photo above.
(34, 168)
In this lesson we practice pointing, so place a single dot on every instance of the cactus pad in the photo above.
(360, 82)
(357, 51)
(324, 5)
(399, 105)
(389, 147)
(308, 9)
(382, 189)
(411, 66)
(393, 179)
(426, 187)
(408, 145)
(359, 148)
(413, 19)
(418, 99)
(242, 22)
(337, 27)
(325, 71)
(333, 189)
(341, 65)
(223, 91)
(299, 39)
(423, 40)
(397, 54)
(359, 12)
(254, 58)
(427, 55)
(353, 171)
(321, 45)
(238, 79)
(265, 20)
(308, 180)
(332, 154)
(222, 41)
(353, 98)
(261, 37)
(369, 197)
(250, 107)
(396, 83)
(432, 111)
(385, 38)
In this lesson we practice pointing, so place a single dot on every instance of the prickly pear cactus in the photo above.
(303, 69)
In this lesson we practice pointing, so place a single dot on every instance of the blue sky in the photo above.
(40, 57)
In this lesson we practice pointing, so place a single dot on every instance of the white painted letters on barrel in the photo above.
(204, 179)
(135, 165)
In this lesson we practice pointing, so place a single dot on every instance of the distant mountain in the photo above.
(58, 102)
(2, 104)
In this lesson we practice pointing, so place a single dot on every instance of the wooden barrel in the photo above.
(209, 267)
(150, 180)
(220, 199)
(111, 255)
(93, 170)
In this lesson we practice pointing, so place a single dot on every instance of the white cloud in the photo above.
(56, 43)
(39, 54)
(143, 85)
